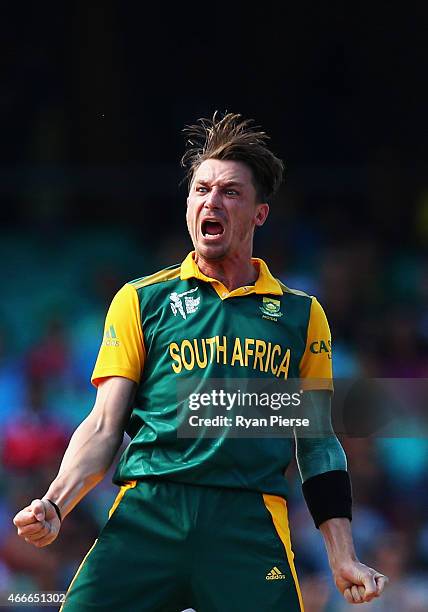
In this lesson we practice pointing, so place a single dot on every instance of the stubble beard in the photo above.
(210, 253)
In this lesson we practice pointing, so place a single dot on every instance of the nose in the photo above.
(213, 199)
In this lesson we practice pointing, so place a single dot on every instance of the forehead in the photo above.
(219, 170)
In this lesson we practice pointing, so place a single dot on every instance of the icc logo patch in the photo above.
(184, 303)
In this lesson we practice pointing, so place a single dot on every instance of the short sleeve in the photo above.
(122, 351)
(316, 363)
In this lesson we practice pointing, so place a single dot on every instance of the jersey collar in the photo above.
(265, 282)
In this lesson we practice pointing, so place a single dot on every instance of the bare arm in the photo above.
(89, 455)
(358, 582)
(321, 453)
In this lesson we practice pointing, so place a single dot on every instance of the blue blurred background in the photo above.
(93, 100)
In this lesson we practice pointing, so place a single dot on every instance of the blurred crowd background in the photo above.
(93, 101)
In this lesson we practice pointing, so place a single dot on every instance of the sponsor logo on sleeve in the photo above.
(110, 337)
(317, 347)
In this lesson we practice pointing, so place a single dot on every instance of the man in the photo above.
(203, 522)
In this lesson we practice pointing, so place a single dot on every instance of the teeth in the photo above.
(204, 226)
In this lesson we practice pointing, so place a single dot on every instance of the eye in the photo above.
(231, 192)
(201, 189)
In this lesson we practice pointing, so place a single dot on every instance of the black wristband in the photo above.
(328, 495)
(57, 510)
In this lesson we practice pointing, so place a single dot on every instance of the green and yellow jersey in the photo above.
(179, 323)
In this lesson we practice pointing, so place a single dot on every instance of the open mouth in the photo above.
(211, 228)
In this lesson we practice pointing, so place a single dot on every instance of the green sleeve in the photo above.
(319, 450)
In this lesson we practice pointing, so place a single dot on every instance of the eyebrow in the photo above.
(223, 183)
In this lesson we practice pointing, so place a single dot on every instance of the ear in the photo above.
(262, 211)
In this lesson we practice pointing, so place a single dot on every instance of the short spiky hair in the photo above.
(232, 138)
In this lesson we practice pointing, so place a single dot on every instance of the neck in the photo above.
(233, 273)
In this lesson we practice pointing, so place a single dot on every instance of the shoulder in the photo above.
(156, 287)
(161, 276)
(305, 306)
(131, 292)
(296, 292)
(306, 298)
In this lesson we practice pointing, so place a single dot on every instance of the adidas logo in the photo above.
(110, 337)
(275, 574)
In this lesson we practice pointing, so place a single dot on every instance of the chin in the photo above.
(213, 252)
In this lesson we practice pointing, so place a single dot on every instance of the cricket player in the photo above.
(202, 522)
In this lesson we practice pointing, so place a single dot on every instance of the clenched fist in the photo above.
(358, 582)
(38, 523)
